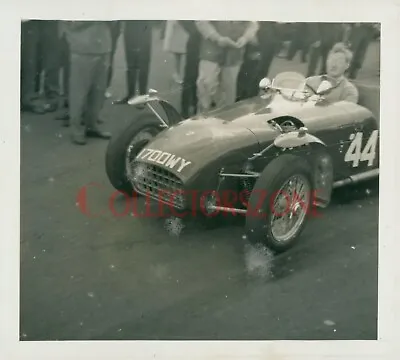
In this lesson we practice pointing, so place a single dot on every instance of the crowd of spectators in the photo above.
(215, 62)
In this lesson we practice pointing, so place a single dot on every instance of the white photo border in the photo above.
(384, 11)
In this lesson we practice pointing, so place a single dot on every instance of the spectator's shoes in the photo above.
(39, 106)
(63, 116)
(78, 139)
(176, 78)
(98, 134)
(108, 94)
(122, 101)
(63, 102)
(51, 106)
(35, 107)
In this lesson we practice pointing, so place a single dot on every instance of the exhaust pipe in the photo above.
(357, 178)
(226, 209)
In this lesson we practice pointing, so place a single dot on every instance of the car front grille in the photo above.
(158, 183)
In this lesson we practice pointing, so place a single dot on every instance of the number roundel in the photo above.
(355, 154)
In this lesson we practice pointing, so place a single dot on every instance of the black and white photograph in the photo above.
(200, 179)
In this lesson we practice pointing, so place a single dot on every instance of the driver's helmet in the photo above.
(290, 80)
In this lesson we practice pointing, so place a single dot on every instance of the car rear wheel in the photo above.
(124, 147)
(279, 203)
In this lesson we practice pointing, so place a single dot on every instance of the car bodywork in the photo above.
(227, 149)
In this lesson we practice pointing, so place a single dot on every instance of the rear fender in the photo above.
(162, 109)
(323, 171)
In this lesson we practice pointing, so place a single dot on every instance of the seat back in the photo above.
(369, 97)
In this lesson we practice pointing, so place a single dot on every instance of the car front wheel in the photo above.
(123, 148)
(279, 203)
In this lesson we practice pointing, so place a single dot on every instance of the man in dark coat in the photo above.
(191, 71)
(37, 55)
(137, 39)
(257, 59)
(90, 46)
(322, 38)
(360, 36)
(299, 41)
(49, 54)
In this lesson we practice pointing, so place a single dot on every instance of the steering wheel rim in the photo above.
(292, 98)
(308, 86)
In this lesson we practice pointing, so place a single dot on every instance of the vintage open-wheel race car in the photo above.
(270, 158)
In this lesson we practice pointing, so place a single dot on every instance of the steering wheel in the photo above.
(292, 96)
(288, 125)
(309, 87)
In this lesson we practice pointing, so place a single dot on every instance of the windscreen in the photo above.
(290, 80)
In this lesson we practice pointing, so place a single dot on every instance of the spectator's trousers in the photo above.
(115, 32)
(65, 58)
(316, 54)
(48, 58)
(216, 83)
(359, 52)
(29, 59)
(88, 83)
(189, 91)
(138, 53)
(252, 71)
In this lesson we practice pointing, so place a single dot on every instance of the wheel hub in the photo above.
(294, 209)
(291, 204)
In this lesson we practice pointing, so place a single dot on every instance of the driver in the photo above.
(337, 86)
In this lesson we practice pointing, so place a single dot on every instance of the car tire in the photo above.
(260, 211)
(137, 134)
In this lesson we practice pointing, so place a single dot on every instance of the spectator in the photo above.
(191, 71)
(360, 36)
(175, 40)
(115, 28)
(284, 36)
(49, 52)
(339, 60)
(90, 45)
(221, 55)
(322, 37)
(137, 39)
(257, 60)
(30, 54)
(299, 41)
(64, 64)
(163, 26)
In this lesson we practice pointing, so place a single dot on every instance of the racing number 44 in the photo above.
(355, 153)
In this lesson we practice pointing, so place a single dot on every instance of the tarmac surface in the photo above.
(105, 277)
